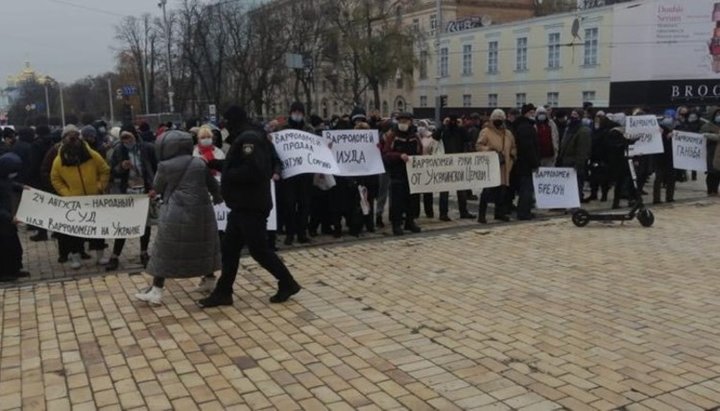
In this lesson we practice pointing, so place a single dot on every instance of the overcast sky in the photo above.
(66, 39)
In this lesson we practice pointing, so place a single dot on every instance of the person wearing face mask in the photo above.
(398, 144)
(665, 172)
(496, 137)
(454, 139)
(296, 191)
(711, 131)
(576, 147)
(561, 120)
(133, 166)
(548, 137)
(78, 171)
(528, 160)
(599, 170)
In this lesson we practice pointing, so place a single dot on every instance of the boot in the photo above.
(445, 218)
(397, 229)
(75, 261)
(153, 297)
(303, 239)
(101, 259)
(215, 300)
(379, 222)
(412, 227)
(288, 240)
(285, 292)
(113, 264)
(40, 236)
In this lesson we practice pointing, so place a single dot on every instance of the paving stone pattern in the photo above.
(539, 316)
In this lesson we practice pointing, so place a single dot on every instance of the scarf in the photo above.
(74, 154)
(208, 153)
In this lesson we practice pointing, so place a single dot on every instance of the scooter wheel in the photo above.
(581, 218)
(646, 218)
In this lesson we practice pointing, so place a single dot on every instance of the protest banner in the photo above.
(222, 211)
(356, 152)
(303, 153)
(453, 172)
(689, 151)
(646, 133)
(106, 216)
(556, 188)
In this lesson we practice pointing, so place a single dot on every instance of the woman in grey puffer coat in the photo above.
(187, 243)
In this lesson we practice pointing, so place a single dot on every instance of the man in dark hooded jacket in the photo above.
(10, 191)
(21, 144)
(296, 191)
(455, 140)
(528, 160)
(249, 167)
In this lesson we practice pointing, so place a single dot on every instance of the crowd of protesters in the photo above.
(190, 162)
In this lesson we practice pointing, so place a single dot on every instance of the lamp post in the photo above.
(438, 27)
(162, 5)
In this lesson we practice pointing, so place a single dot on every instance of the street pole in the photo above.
(162, 4)
(62, 106)
(147, 98)
(438, 27)
(110, 98)
(47, 102)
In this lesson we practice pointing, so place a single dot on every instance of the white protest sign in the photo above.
(222, 212)
(103, 216)
(356, 152)
(556, 188)
(646, 133)
(453, 172)
(303, 153)
(689, 151)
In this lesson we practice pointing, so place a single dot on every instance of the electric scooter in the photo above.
(582, 217)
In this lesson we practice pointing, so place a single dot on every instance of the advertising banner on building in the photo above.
(666, 52)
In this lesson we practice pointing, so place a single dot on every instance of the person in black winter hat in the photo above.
(295, 192)
(250, 165)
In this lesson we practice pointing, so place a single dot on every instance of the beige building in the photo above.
(331, 94)
(562, 60)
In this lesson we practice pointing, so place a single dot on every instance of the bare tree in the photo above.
(139, 39)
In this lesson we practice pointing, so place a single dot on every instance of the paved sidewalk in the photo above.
(41, 257)
(534, 317)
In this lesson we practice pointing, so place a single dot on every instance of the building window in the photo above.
(493, 57)
(423, 64)
(521, 54)
(520, 99)
(467, 100)
(588, 96)
(492, 100)
(554, 51)
(416, 25)
(467, 60)
(423, 101)
(433, 24)
(591, 47)
(553, 99)
(444, 62)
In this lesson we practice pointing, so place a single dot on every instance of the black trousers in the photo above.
(119, 244)
(664, 176)
(713, 181)
(403, 205)
(497, 195)
(445, 200)
(298, 197)
(246, 228)
(69, 244)
(11, 251)
(526, 193)
(428, 205)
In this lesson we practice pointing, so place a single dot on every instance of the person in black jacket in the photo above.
(528, 160)
(10, 247)
(455, 140)
(245, 185)
(40, 146)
